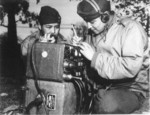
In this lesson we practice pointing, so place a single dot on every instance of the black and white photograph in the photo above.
(64, 57)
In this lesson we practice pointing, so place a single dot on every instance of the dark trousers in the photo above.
(116, 101)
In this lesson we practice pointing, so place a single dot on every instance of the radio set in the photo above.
(55, 73)
(74, 65)
(56, 62)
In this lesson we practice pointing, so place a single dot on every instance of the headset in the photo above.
(104, 16)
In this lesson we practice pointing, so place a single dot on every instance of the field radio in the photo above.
(55, 74)
(56, 62)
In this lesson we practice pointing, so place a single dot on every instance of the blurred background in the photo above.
(27, 23)
(26, 16)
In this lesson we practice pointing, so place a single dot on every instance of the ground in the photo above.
(11, 98)
(10, 93)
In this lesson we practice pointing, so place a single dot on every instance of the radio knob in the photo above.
(75, 53)
(66, 64)
(79, 54)
(71, 65)
(78, 73)
(80, 63)
(67, 77)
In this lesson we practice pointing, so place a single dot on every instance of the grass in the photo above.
(11, 87)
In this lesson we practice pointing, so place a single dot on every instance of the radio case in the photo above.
(48, 59)
(60, 98)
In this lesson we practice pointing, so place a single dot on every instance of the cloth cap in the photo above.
(49, 15)
(91, 9)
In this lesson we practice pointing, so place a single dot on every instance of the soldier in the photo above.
(118, 52)
(50, 21)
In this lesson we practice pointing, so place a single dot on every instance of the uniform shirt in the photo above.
(122, 53)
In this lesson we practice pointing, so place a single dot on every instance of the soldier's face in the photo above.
(96, 25)
(52, 28)
(50, 31)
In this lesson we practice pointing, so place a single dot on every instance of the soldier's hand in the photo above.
(75, 39)
(86, 50)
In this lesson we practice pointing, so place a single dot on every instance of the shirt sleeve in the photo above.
(26, 43)
(129, 63)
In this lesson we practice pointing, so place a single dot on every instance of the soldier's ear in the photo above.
(105, 17)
